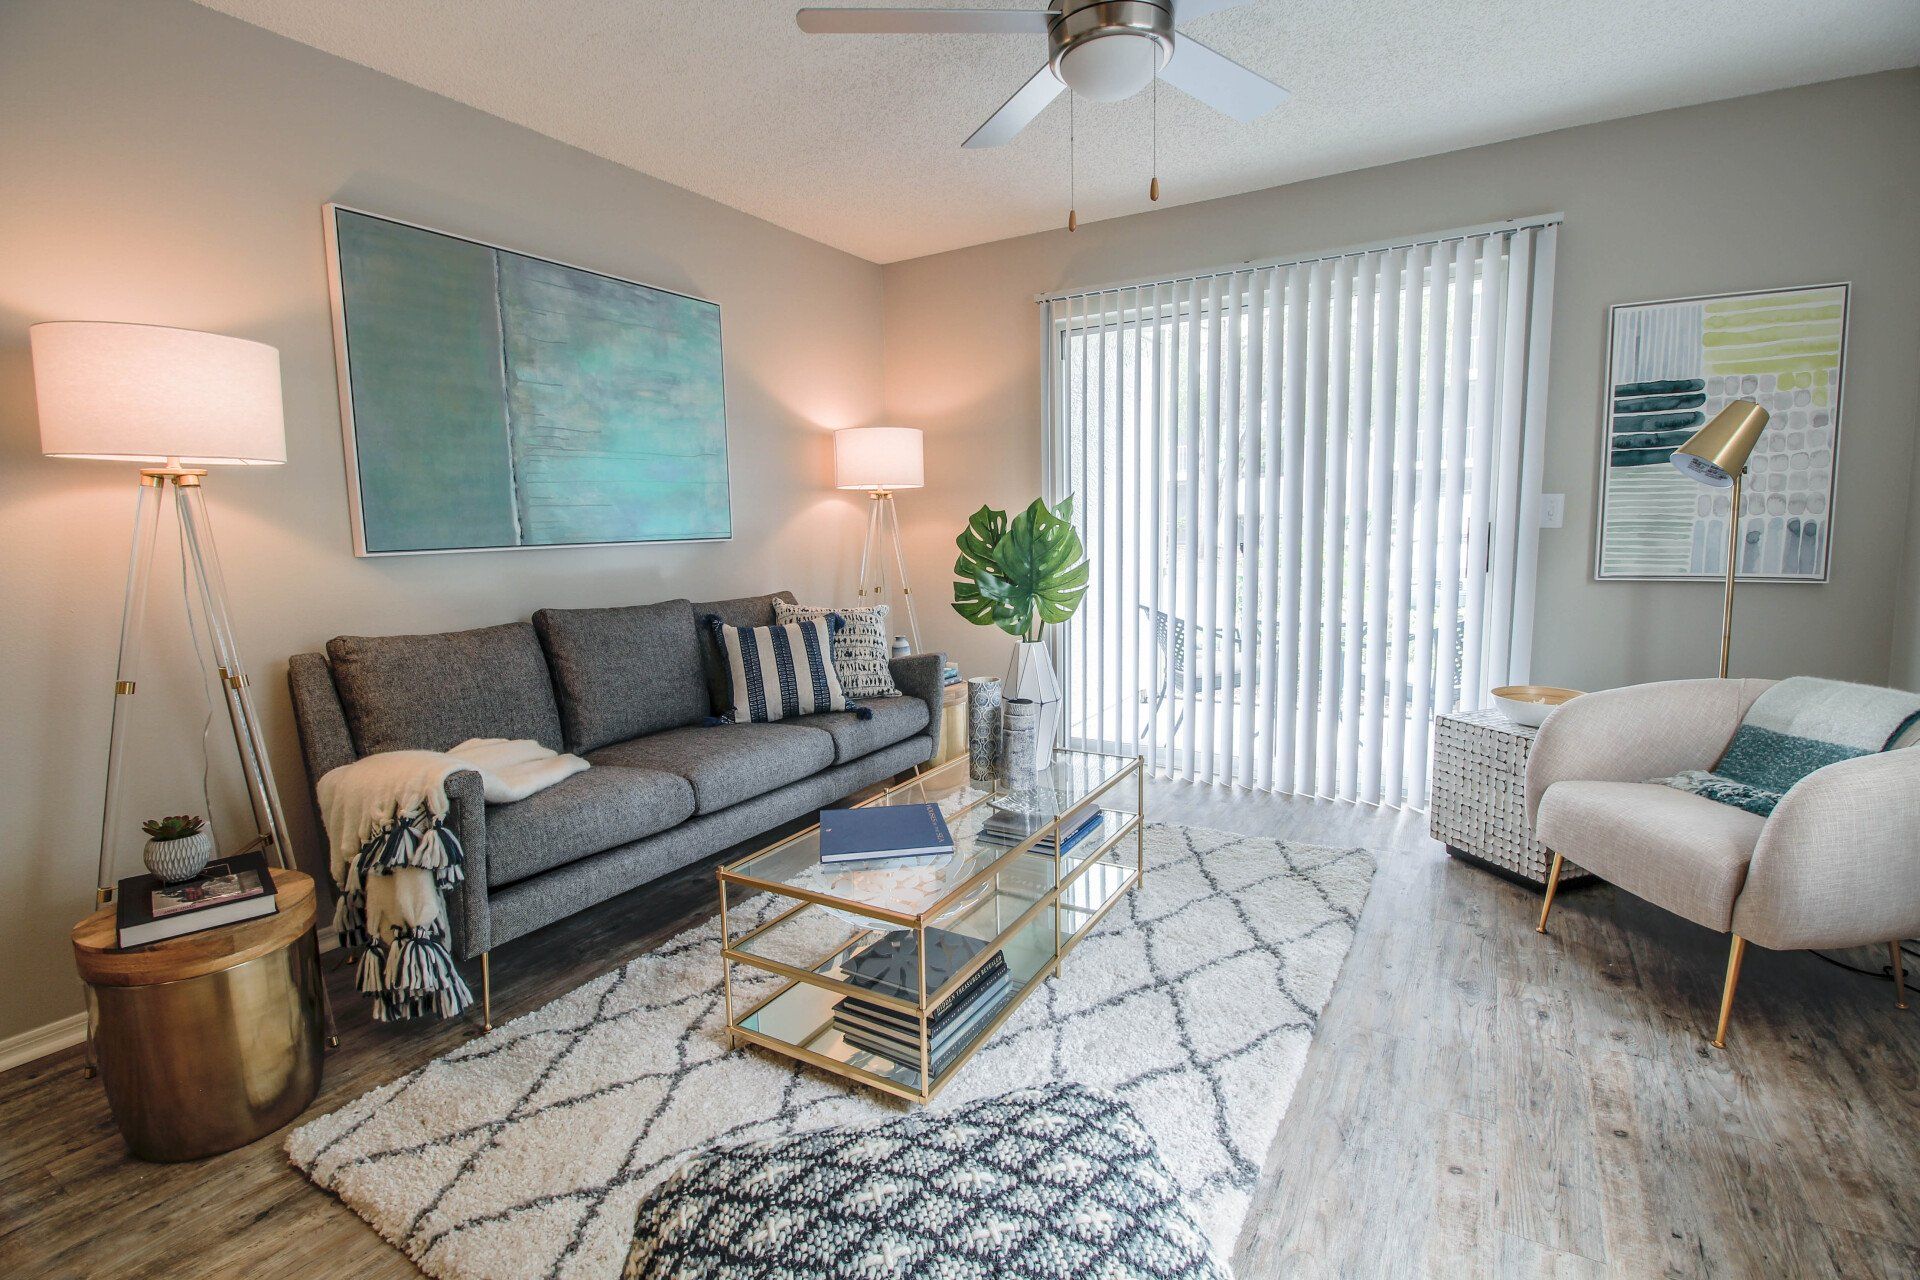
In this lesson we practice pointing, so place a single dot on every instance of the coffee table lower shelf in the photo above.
(796, 1020)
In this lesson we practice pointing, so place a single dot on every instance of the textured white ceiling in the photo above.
(855, 140)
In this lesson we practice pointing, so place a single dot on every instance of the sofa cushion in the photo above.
(597, 809)
(620, 673)
(742, 611)
(893, 719)
(727, 763)
(780, 672)
(427, 693)
(860, 649)
(1681, 852)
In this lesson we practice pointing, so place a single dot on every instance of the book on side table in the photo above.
(228, 891)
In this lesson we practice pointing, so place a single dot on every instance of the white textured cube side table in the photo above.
(1479, 804)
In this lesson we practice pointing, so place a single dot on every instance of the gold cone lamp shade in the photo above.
(1718, 452)
(1717, 456)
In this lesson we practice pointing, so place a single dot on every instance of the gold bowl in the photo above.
(1530, 704)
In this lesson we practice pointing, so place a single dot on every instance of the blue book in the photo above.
(883, 831)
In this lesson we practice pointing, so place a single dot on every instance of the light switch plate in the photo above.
(1553, 510)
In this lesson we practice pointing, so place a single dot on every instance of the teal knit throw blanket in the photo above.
(1799, 725)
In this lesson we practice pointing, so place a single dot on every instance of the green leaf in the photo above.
(1030, 570)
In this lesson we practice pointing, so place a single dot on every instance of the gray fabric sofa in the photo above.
(631, 690)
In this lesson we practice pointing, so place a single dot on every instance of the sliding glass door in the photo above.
(1309, 492)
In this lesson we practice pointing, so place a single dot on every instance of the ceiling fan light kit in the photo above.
(1107, 50)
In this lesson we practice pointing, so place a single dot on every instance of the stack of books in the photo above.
(950, 674)
(228, 891)
(883, 831)
(1010, 828)
(890, 964)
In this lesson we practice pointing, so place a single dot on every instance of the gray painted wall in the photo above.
(167, 164)
(1906, 635)
(1797, 187)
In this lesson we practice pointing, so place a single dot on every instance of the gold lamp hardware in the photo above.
(1718, 452)
(1716, 456)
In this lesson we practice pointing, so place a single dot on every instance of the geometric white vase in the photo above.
(183, 859)
(1030, 675)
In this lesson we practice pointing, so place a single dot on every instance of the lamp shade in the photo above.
(1718, 452)
(147, 393)
(878, 458)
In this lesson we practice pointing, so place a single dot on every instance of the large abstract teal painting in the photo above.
(493, 400)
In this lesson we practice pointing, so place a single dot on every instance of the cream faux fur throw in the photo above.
(393, 857)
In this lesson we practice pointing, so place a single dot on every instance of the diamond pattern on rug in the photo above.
(526, 1152)
(1053, 1183)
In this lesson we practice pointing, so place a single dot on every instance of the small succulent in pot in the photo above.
(178, 847)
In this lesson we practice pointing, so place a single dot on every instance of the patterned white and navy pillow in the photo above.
(779, 672)
(1059, 1182)
(860, 654)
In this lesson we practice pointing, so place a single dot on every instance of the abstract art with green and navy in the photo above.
(506, 401)
(1672, 367)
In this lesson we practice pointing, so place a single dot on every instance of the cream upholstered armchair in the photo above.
(1836, 865)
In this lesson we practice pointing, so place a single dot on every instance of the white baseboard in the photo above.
(19, 1050)
(38, 1043)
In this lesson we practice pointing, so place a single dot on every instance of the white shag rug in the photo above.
(526, 1152)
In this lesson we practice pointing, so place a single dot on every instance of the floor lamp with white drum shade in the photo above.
(178, 402)
(880, 460)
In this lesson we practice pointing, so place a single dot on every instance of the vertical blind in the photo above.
(1309, 491)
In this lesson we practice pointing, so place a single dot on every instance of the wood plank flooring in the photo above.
(1479, 1100)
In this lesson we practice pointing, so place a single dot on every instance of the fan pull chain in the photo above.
(1073, 193)
(1153, 188)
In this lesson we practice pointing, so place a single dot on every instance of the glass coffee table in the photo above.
(1024, 902)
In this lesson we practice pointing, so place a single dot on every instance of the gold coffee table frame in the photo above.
(1028, 901)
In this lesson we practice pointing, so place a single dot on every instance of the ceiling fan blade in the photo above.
(1028, 101)
(1220, 82)
(986, 22)
(1187, 10)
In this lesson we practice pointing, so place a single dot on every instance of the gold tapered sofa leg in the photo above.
(486, 991)
(1734, 956)
(1553, 885)
(1899, 975)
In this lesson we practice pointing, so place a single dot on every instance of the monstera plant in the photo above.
(1022, 573)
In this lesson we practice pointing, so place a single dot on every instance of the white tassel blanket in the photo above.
(393, 857)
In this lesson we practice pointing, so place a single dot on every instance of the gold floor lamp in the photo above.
(177, 401)
(1716, 456)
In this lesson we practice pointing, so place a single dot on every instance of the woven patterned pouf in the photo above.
(1479, 803)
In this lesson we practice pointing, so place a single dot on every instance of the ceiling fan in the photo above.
(1101, 49)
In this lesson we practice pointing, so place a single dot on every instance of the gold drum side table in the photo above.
(209, 1041)
(953, 725)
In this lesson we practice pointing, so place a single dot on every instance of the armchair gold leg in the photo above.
(1899, 975)
(486, 991)
(1553, 885)
(1734, 956)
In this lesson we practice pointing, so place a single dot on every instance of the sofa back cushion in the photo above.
(744, 611)
(621, 673)
(428, 693)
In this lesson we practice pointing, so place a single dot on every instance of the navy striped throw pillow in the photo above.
(782, 671)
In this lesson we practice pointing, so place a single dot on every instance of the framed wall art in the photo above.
(493, 400)
(1671, 366)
